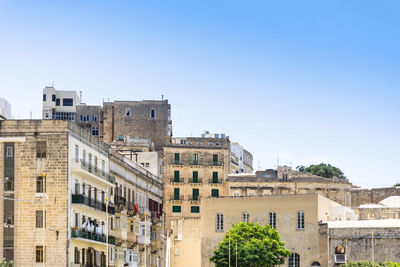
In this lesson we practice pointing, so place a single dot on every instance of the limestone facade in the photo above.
(146, 119)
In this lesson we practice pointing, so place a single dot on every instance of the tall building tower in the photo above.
(5, 108)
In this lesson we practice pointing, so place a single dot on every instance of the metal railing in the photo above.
(96, 171)
(195, 181)
(177, 180)
(81, 233)
(215, 181)
(98, 205)
(177, 197)
(194, 198)
(176, 162)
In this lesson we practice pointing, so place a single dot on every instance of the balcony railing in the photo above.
(81, 199)
(96, 171)
(176, 162)
(177, 180)
(80, 233)
(216, 163)
(195, 162)
(194, 198)
(177, 197)
(195, 181)
(215, 181)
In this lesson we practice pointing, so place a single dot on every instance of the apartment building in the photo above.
(56, 180)
(59, 104)
(138, 214)
(241, 159)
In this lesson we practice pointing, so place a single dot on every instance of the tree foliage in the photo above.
(257, 246)
(322, 169)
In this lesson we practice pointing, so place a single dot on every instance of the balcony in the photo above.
(195, 163)
(92, 172)
(176, 162)
(92, 236)
(216, 163)
(120, 204)
(195, 181)
(81, 199)
(177, 180)
(215, 181)
(194, 198)
(176, 198)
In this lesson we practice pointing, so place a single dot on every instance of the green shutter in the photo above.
(176, 176)
(195, 176)
(214, 193)
(215, 158)
(176, 209)
(176, 157)
(215, 177)
(195, 209)
(195, 193)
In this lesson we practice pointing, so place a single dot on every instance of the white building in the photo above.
(59, 105)
(5, 108)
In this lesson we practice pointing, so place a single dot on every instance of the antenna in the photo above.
(162, 97)
(277, 161)
(31, 114)
(259, 165)
(80, 98)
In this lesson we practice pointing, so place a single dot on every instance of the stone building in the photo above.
(369, 240)
(295, 217)
(59, 104)
(388, 208)
(68, 200)
(284, 181)
(241, 159)
(88, 117)
(148, 119)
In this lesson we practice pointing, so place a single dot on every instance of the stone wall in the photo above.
(138, 124)
(375, 195)
(358, 244)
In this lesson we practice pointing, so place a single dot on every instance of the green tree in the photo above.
(256, 246)
(322, 169)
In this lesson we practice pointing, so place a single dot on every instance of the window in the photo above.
(215, 177)
(195, 176)
(245, 217)
(53, 98)
(285, 177)
(76, 255)
(294, 260)
(127, 112)
(195, 209)
(147, 164)
(57, 102)
(68, 102)
(315, 264)
(94, 118)
(176, 158)
(95, 130)
(152, 114)
(40, 184)
(103, 167)
(214, 192)
(176, 176)
(195, 192)
(39, 219)
(236, 194)
(176, 193)
(90, 161)
(39, 254)
(76, 153)
(300, 220)
(272, 219)
(9, 152)
(44, 97)
(41, 149)
(95, 164)
(195, 159)
(215, 159)
(347, 201)
(176, 208)
(84, 157)
(219, 224)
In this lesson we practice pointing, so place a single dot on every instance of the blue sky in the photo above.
(312, 81)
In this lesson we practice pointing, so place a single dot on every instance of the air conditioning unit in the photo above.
(340, 258)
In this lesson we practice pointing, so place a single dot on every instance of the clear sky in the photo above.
(312, 81)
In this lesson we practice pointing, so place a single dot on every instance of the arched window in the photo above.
(294, 260)
(315, 264)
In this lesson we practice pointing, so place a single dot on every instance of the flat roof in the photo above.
(365, 223)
